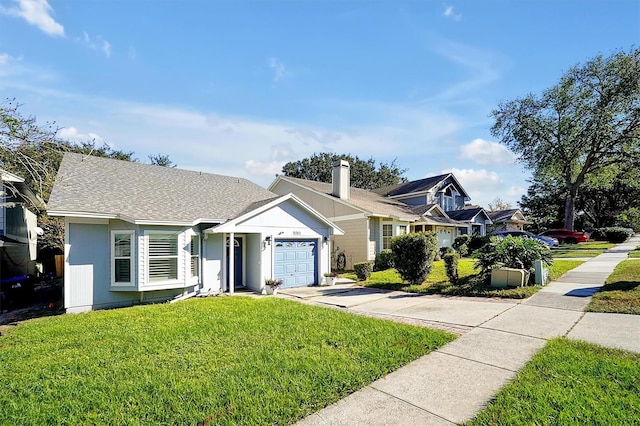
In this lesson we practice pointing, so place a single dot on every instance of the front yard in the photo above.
(621, 292)
(438, 283)
(588, 249)
(225, 360)
(570, 382)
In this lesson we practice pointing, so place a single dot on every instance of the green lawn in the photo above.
(621, 292)
(635, 254)
(570, 382)
(588, 249)
(225, 360)
(438, 283)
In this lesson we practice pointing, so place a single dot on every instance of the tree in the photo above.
(588, 121)
(34, 152)
(498, 204)
(364, 174)
(162, 160)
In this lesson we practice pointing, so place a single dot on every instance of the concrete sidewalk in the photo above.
(453, 383)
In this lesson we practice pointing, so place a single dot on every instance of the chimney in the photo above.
(341, 179)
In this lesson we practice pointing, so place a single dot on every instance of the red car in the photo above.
(566, 236)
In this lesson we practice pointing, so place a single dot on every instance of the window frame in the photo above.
(196, 257)
(131, 257)
(177, 256)
(386, 239)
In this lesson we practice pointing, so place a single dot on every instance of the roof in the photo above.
(365, 200)
(104, 187)
(420, 185)
(467, 213)
(18, 191)
(504, 215)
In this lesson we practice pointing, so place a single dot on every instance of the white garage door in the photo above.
(445, 237)
(295, 262)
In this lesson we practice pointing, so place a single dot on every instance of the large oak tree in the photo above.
(364, 173)
(587, 122)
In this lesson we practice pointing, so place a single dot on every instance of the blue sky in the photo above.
(242, 87)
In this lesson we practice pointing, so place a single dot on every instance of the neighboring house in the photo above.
(18, 227)
(476, 218)
(508, 220)
(370, 219)
(443, 190)
(137, 232)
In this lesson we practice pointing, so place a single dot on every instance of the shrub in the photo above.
(512, 252)
(477, 242)
(444, 251)
(384, 260)
(461, 244)
(614, 234)
(413, 255)
(362, 270)
(451, 266)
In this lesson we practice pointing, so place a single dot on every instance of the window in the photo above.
(194, 249)
(402, 229)
(163, 257)
(122, 256)
(387, 233)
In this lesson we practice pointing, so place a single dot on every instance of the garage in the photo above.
(445, 236)
(295, 262)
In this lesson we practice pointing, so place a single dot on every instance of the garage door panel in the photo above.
(295, 262)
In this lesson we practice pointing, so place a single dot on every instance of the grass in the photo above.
(469, 285)
(588, 249)
(635, 254)
(621, 292)
(226, 360)
(570, 382)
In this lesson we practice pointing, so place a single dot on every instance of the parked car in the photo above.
(567, 236)
(549, 241)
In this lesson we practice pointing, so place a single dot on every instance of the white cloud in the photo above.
(482, 185)
(486, 153)
(4, 58)
(450, 13)
(106, 48)
(280, 72)
(96, 43)
(37, 13)
(72, 134)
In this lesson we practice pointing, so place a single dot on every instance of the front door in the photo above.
(237, 262)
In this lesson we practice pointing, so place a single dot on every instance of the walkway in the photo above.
(453, 383)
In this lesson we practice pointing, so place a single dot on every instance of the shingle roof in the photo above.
(467, 213)
(143, 192)
(502, 215)
(412, 186)
(363, 199)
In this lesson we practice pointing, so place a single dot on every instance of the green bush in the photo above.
(413, 255)
(362, 270)
(384, 260)
(630, 218)
(512, 252)
(477, 242)
(451, 266)
(614, 234)
(442, 251)
(461, 244)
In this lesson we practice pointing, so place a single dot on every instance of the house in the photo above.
(476, 218)
(508, 220)
(371, 218)
(137, 232)
(443, 190)
(18, 227)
